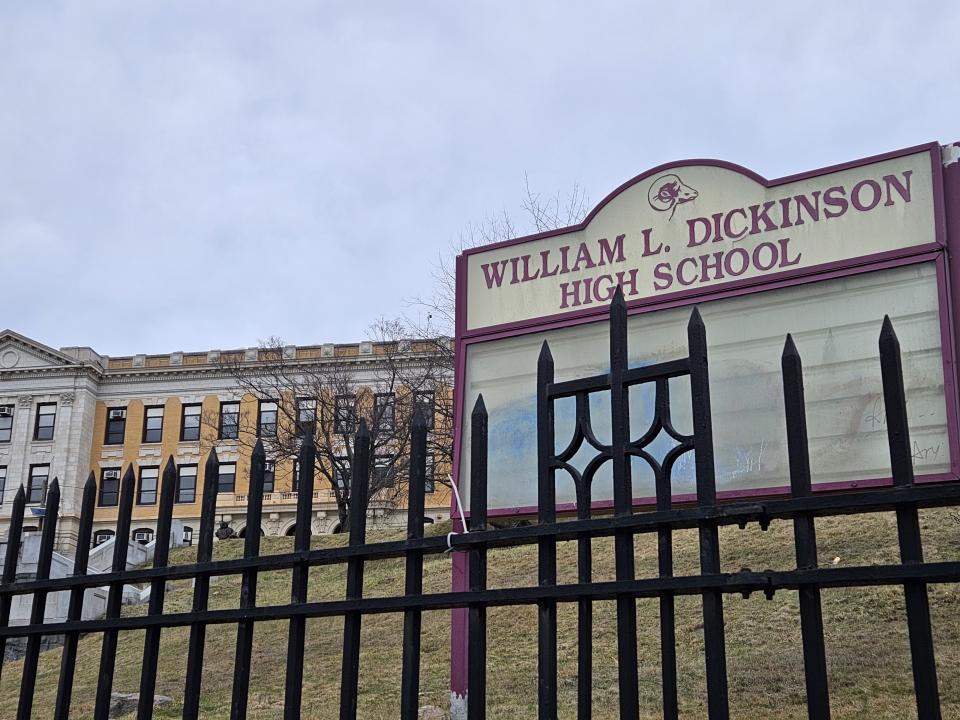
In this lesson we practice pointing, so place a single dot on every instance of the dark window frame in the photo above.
(107, 434)
(3, 482)
(156, 485)
(233, 475)
(344, 417)
(105, 534)
(183, 421)
(269, 471)
(260, 423)
(179, 497)
(150, 531)
(8, 421)
(36, 421)
(115, 494)
(429, 411)
(301, 423)
(146, 420)
(385, 470)
(380, 407)
(35, 493)
(236, 434)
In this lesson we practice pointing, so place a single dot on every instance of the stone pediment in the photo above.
(21, 353)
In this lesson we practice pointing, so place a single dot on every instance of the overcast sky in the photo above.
(194, 175)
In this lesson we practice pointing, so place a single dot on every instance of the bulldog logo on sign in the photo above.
(668, 191)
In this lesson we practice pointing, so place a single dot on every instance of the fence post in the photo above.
(10, 562)
(38, 609)
(623, 506)
(804, 534)
(714, 643)
(201, 589)
(108, 650)
(248, 585)
(413, 584)
(908, 526)
(477, 614)
(547, 546)
(68, 660)
(161, 553)
(359, 486)
(293, 690)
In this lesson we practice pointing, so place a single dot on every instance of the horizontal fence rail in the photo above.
(801, 506)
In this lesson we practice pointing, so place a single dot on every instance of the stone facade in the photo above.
(86, 386)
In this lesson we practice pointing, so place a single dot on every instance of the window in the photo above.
(384, 472)
(36, 482)
(269, 473)
(306, 416)
(190, 423)
(187, 535)
(144, 536)
(428, 477)
(267, 422)
(341, 472)
(46, 419)
(423, 401)
(227, 481)
(229, 420)
(147, 494)
(3, 481)
(6, 423)
(343, 414)
(186, 483)
(153, 424)
(296, 474)
(102, 536)
(383, 411)
(110, 488)
(116, 426)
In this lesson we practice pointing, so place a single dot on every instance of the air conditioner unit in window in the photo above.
(118, 414)
(6, 411)
(142, 536)
(111, 474)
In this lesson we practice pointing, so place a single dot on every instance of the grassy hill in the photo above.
(867, 650)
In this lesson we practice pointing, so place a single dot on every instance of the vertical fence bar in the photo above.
(584, 577)
(622, 505)
(161, 554)
(359, 486)
(10, 562)
(248, 586)
(546, 546)
(413, 585)
(301, 574)
(477, 614)
(108, 649)
(668, 628)
(713, 633)
(38, 609)
(908, 526)
(804, 534)
(201, 589)
(68, 660)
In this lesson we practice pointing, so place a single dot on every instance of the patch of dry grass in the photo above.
(867, 650)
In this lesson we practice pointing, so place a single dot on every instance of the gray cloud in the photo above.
(186, 175)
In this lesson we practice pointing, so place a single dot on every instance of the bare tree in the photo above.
(330, 396)
(437, 311)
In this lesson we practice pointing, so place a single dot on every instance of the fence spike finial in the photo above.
(21, 494)
(479, 407)
(362, 431)
(91, 481)
(888, 336)
(546, 357)
(696, 319)
(790, 348)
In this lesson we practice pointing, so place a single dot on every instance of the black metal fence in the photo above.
(904, 497)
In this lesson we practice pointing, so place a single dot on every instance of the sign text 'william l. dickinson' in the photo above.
(700, 225)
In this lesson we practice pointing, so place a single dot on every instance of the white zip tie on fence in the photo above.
(463, 521)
